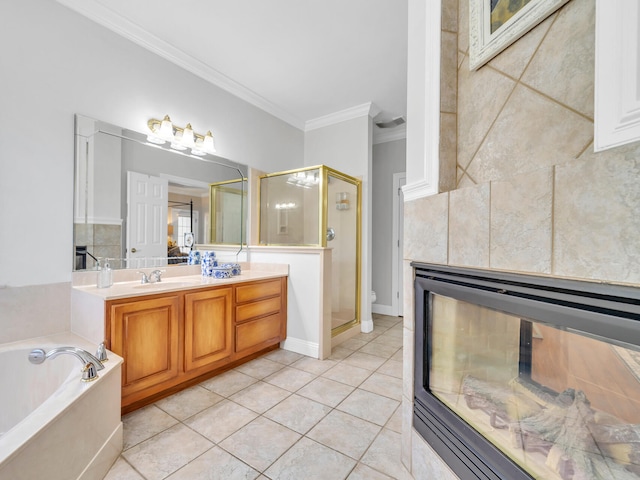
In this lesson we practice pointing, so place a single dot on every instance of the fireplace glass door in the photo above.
(558, 403)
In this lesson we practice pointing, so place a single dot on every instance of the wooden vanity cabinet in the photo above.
(260, 318)
(146, 333)
(208, 334)
(171, 341)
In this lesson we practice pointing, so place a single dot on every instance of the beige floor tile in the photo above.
(259, 368)
(215, 464)
(339, 353)
(168, 451)
(385, 385)
(392, 368)
(362, 472)
(349, 374)
(143, 424)
(369, 406)
(121, 470)
(298, 413)
(290, 379)
(383, 323)
(397, 357)
(384, 455)
(260, 442)
(326, 391)
(260, 396)
(390, 340)
(313, 365)
(309, 460)
(365, 360)
(379, 350)
(368, 337)
(353, 344)
(283, 356)
(345, 433)
(395, 422)
(228, 383)
(187, 403)
(223, 419)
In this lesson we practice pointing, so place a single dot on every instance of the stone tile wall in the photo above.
(531, 196)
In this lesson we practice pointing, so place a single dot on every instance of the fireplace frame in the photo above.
(594, 309)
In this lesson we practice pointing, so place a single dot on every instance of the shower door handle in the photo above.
(331, 234)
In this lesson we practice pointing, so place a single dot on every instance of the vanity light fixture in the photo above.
(285, 206)
(303, 179)
(164, 130)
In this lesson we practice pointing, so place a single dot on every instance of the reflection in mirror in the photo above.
(228, 201)
(135, 203)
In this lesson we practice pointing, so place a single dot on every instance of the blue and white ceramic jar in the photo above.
(235, 268)
(194, 258)
(220, 272)
(207, 263)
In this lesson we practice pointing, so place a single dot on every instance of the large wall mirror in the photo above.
(141, 205)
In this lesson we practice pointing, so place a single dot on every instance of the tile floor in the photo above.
(281, 416)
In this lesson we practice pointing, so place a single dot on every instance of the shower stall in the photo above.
(318, 207)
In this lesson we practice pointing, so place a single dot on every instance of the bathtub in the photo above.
(53, 425)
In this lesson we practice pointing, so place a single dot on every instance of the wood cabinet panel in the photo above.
(254, 335)
(258, 290)
(208, 330)
(146, 334)
(170, 341)
(257, 309)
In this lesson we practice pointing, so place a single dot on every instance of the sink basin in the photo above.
(163, 284)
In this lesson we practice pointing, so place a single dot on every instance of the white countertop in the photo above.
(176, 283)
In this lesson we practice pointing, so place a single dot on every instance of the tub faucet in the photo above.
(90, 362)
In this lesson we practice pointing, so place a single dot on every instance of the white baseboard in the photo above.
(383, 309)
(303, 347)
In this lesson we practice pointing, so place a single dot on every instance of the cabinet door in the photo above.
(207, 327)
(145, 333)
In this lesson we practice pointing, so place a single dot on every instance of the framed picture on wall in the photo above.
(496, 24)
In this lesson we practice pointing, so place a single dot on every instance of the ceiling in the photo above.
(301, 60)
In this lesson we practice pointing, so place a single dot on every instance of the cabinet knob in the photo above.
(133, 250)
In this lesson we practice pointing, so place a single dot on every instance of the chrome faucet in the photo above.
(157, 275)
(153, 277)
(90, 362)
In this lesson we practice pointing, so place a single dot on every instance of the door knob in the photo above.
(133, 250)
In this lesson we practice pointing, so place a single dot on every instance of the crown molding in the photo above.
(391, 135)
(365, 109)
(123, 27)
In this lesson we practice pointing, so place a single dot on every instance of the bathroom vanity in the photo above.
(185, 329)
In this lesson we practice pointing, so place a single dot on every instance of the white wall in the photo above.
(347, 147)
(388, 158)
(56, 63)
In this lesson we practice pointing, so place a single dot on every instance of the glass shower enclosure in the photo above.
(318, 207)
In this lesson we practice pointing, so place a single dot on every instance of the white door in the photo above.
(147, 201)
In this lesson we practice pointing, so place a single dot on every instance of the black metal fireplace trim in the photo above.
(601, 310)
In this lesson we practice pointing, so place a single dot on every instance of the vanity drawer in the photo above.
(256, 334)
(258, 309)
(256, 291)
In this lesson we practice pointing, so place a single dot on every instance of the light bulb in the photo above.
(166, 128)
(207, 144)
(188, 139)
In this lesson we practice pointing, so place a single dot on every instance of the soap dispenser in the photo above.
(105, 275)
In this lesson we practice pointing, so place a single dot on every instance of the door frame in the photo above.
(397, 228)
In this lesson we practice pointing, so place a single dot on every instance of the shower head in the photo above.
(392, 123)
